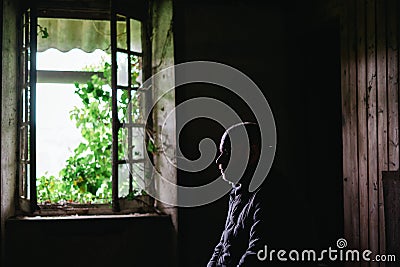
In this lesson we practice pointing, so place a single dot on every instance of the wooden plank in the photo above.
(362, 126)
(354, 195)
(346, 119)
(392, 54)
(382, 114)
(373, 231)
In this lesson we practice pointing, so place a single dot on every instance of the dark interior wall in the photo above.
(295, 61)
(88, 241)
(8, 112)
(316, 139)
(249, 37)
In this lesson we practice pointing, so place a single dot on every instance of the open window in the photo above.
(82, 134)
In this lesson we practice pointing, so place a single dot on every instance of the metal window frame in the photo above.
(117, 125)
(29, 205)
(27, 154)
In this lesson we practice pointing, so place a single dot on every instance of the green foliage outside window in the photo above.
(86, 177)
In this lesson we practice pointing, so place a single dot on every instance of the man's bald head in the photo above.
(240, 144)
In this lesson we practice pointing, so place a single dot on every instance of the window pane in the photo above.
(136, 71)
(24, 66)
(74, 143)
(138, 137)
(135, 137)
(121, 32)
(27, 144)
(25, 29)
(122, 135)
(135, 170)
(131, 140)
(122, 69)
(136, 36)
(23, 104)
(24, 142)
(136, 106)
(123, 180)
(122, 104)
(23, 175)
(130, 104)
(57, 135)
(27, 193)
(28, 61)
(27, 109)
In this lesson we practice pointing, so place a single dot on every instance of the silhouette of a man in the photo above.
(243, 236)
(272, 215)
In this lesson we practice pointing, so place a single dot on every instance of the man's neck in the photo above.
(236, 186)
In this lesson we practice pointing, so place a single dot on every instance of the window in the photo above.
(107, 166)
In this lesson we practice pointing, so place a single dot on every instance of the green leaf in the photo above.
(150, 147)
(105, 98)
(99, 92)
(90, 87)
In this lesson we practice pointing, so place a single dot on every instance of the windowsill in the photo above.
(89, 217)
(139, 206)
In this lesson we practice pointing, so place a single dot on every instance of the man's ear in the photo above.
(254, 154)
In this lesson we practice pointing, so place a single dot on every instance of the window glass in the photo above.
(122, 71)
(136, 35)
(121, 32)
